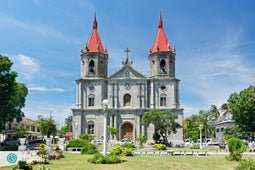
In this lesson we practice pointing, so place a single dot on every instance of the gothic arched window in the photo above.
(91, 100)
(162, 66)
(91, 126)
(163, 100)
(92, 66)
(127, 100)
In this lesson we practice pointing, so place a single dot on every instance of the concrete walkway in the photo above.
(29, 156)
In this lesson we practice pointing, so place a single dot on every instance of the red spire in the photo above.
(161, 42)
(160, 22)
(94, 43)
(95, 22)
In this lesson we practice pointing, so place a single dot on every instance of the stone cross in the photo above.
(127, 51)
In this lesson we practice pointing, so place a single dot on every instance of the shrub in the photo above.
(76, 143)
(117, 150)
(100, 159)
(56, 154)
(112, 159)
(11, 147)
(195, 147)
(159, 146)
(236, 148)
(128, 145)
(97, 159)
(89, 149)
(156, 137)
(128, 152)
(246, 164)
(141, 139)
(87, 137)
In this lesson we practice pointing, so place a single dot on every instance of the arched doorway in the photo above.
(127, 131)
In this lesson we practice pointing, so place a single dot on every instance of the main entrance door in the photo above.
(127, 131)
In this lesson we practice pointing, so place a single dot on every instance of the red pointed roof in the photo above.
(94, 43)
(161, 42)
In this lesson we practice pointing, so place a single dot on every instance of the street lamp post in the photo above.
(200, 130)
(76, 130)
(105, 110)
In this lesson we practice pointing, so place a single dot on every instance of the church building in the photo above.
(129, 93)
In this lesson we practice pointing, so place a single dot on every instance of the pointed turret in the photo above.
(94, 43)
(161, 42)
(94, 59)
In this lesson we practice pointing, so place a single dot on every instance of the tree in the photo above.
(206, 119)
(232, 131)
(141, 139)
(113, 131)
(12, 94)
(68, 122)
(20, 131)
(214, 113)
(225, 111)
(163, 121)
(192, 124)
(48, 127)
(242, 106)
(62, 131)
(236, 148)
(156, 137)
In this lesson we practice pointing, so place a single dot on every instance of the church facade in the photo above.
(129, 93)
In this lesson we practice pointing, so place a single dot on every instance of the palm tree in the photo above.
(225, 111)
(214, 113)
(206, 121)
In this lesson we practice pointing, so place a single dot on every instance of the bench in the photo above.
(189, 153)
(178, 153)
(170, 153)
(74, 149)
(202, 153)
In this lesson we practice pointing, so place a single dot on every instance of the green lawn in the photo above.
(149, 162)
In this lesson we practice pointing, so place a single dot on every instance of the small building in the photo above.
(220, 126)
(30, 125)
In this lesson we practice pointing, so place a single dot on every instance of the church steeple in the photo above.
(94, 43)
(161, 55)
(94, 59)
(161, 42)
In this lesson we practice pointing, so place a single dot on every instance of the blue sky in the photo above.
(214, 40)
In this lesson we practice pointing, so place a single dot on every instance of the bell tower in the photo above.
(94, 59)
(161, 55)
(164, 87)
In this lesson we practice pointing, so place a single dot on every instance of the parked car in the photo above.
(35, 144)
(123, 141)
(187, 143)
(100, 142)
(222, 145)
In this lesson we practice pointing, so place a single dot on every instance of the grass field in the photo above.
(144, 162)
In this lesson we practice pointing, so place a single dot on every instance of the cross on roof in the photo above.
(127, 51)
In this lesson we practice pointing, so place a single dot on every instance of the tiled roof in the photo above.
(94, 43)
(161, 42)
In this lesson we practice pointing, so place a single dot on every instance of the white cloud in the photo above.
(215, 71)
(35, 28)
(189, 109)
(41, 88)
(58, 111)
(27, 67)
